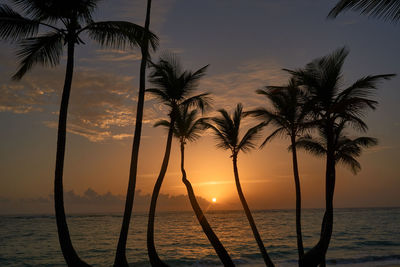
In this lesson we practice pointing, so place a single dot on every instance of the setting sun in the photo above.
(214, 199)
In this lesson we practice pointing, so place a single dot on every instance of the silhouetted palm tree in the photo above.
(173, 87)
(226, 130)
(120, 256)
(331, 105)
(384, 9)
(66, 22)
(287, 114)
(187, 128)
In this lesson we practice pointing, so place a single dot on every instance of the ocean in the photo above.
(361, 237)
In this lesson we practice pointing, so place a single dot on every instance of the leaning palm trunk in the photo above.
(151, 249)
(71, 257)
(120, 257)
(212, 237)
(300, 247)
(256, 234)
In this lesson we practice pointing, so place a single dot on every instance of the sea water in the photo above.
(361, 237)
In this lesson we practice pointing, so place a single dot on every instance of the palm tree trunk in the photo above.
(151, 249)
(212, 237)
(120, 257)
(317, 255)
(300, 247)
(71, 257)
(327, 226)
(256, 234)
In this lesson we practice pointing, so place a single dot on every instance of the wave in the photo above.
(247, 262)
(366, 259)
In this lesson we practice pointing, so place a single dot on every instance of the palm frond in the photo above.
(176, 85)
(364, 86)
(15, 27)
(119, 34)
(201, 101)
(237, 117)
(45, 50)
(222, 141)
(262, 113)
(162, 123)
(366, 141)
(277, 132)
(247, 142)
(162, 96)
(227, 127)
(350, 162)
(384, 9)
(190, 80)
(312, 146)
(356, 122)
(54, 10)
(187, 126)
(195, 129)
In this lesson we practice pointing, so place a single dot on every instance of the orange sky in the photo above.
(245, 52)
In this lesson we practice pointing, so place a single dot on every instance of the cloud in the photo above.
(23, 97)
(113, 56)
(102, 104)
(93, 202)
(240, 85)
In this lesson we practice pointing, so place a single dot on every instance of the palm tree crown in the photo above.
(186, 127)
(227, 129)
(323, 77)
(173, 86)
(346, 150)
(288, 112)
(66, 21)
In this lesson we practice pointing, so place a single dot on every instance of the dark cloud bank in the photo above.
(92, 202)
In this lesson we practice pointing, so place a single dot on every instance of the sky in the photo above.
(246, 43)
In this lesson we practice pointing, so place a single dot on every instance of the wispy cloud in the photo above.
(240, 85)
(102, 104)
(23, 97)
(113, 56)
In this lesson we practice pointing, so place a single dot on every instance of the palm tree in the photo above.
(67, 21)
(345, 152)
(187, 128)
(173, 88)
(288, 116)
(381, 9)
(322, 78)
(226, 130)
(120, 256)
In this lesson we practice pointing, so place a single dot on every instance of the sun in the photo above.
(214, 199)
